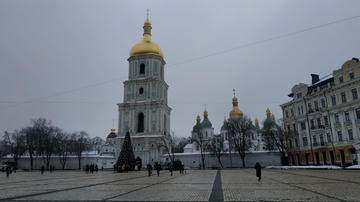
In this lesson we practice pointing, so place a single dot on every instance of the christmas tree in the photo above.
(127, 158)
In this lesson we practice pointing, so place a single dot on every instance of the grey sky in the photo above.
(50, 50)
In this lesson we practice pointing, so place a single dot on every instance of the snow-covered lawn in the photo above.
(305, 167)
(353, 167)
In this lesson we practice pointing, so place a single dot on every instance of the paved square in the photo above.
(195, 185)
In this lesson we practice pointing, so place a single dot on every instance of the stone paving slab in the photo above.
(195, 185)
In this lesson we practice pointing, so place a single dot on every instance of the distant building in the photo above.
(206, 129)
(322, 121)
(109, 147)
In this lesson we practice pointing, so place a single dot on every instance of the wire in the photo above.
(264, 40)
(194, 59)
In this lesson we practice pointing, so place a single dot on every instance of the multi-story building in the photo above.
(322, 121)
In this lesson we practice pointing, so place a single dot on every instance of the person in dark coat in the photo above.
(42, 170)
(149, 168)
(158, 168)
(8, 170)
(171, 169)
(258, 170)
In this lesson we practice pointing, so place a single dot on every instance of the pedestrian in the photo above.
(258, 171)
(158, 168)
(42, 170)
(96, 168)
(92, 168)
(102, 168)
(8, 169)
(182, 168)
(149, 168)
(171, 169)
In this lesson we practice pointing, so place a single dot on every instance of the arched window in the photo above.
(140, 128)
(141, 91)
(142, 68)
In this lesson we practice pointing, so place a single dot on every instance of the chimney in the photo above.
(315, 78)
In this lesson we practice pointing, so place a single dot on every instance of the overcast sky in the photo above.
(66, 60)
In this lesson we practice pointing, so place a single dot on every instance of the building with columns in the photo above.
(322, 120)
(145, 111)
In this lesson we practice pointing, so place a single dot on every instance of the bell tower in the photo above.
(145, 111)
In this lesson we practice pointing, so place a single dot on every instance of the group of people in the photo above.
(158, 168)
(91, 168)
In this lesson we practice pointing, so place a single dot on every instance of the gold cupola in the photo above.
(256, 122)
(146, 46)
(235, 112)
(198, 119)
(268, 113)
(273, 117)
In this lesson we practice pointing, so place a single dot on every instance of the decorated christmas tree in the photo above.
(126, 158)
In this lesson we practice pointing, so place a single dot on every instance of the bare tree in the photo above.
(63, 147)
(80, 144)
(30, 136)
(201, 141)
(216, 146)
(275, 138)
(15, 144)
(180, 143)
(240, 133)
(168, 143)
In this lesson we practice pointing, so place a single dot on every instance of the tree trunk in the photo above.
(203, 160)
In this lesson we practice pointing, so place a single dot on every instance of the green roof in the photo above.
(206, 123)
(197, 127)
(224, 127)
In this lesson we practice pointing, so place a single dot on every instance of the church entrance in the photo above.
(138, 162)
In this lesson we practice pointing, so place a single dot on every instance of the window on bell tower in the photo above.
(142, 68)
(140, 128)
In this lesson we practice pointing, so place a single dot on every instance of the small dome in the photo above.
(206, 123)
(146, 46)
(112, 134)
(224, 126)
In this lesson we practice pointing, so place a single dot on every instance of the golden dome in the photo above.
(256, 122)
(273, 117)
(113, 130)
(268, 113)
(235, 112)
(198, 118)
(146, 46)
(205, 114)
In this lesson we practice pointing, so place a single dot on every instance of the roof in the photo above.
(111, 135)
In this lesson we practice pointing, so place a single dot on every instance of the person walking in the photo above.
(158, 168)
(42, 169)
(149, 168)
(171, 169)
(8, 170)
(258, 171)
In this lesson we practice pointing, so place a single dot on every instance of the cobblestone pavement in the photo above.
(195, 185)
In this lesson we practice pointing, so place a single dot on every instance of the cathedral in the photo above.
(145, 112)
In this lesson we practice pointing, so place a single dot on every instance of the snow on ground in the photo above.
(305, 167)
(354, 166)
